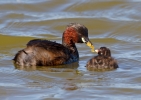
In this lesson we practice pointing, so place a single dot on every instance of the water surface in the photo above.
(112, 23)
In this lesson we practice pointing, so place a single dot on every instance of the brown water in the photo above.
(113, 23)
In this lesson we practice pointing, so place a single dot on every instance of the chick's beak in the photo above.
(96, 50)
(88, 43)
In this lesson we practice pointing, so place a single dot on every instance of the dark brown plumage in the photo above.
(103, 61)
(47, 53)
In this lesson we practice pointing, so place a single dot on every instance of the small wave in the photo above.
(21, 1)
(25, 20)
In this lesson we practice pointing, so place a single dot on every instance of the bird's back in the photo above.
(42, 53)
(102, 62)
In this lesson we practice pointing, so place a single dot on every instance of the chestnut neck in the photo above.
(70, 37)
